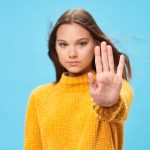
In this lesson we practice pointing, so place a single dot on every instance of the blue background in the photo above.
(24, 64)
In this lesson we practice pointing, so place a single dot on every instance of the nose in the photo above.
(72, 52)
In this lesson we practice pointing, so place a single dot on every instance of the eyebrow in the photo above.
(77, 40)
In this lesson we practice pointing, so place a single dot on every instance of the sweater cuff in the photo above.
(107, 113)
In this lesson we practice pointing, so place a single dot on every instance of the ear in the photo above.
(97, 43)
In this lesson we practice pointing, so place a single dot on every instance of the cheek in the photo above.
(59, 52)
(88, 57)
(61, 57)
(90, 53)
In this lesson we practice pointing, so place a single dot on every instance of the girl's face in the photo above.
(75, 48)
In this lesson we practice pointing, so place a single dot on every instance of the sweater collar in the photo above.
(81, 79)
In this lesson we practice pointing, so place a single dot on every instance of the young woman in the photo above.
(86, 107)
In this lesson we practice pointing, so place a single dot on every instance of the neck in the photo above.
(79, 73)
(74, 83)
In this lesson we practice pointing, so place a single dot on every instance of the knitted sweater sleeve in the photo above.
(32, 138)
(119, 111)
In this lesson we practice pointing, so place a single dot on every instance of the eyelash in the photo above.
(81, 43)
(62, 44)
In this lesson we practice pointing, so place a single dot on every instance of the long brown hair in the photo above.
(83, 18)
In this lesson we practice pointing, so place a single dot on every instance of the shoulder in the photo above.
(126, 84)
(127, 88)
(43, 90)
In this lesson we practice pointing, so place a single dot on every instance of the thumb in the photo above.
(92, 82)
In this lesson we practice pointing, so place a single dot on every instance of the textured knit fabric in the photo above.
(63, 116)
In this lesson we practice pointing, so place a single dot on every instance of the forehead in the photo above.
(72, 31)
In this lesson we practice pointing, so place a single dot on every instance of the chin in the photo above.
(76, 72)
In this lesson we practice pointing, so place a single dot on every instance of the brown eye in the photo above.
(83, 43)
(62, 44)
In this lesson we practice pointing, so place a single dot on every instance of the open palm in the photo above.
(105, 88)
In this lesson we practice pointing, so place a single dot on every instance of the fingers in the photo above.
(92, 83)
(104, 56)
(121, 66)
(98, 60)
(105, 61)
(110, 58)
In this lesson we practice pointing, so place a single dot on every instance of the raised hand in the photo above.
(105, 88)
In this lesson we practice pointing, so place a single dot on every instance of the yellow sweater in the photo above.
(63, 116)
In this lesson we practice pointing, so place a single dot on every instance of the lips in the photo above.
(73, 63)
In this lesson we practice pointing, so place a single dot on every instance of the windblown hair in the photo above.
(83, 18)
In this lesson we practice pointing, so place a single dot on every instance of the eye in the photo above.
(83, 43)
(62, 44)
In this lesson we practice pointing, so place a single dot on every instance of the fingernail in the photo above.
(104, 43)
(96, 46)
